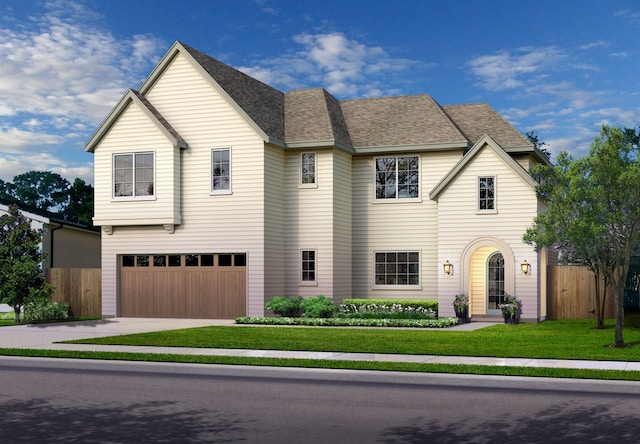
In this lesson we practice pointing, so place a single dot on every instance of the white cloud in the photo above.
(515, 69)
(345, 67)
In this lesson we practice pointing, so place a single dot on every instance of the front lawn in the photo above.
(562, 339)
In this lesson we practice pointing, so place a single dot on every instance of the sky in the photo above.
(560, 68)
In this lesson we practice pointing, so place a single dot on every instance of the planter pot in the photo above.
(462, 316)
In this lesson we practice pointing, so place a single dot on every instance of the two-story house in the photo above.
(216, 192)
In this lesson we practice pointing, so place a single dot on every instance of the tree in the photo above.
(80, 206)
(594, 210)
(42, 189)
(537, 143)
(21, 278)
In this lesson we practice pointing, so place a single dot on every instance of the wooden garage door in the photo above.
(183, 285)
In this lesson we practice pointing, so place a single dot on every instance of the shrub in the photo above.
(318, 307)
(287, 306)
(44, 310)
(430, 304)
(394, 311)
(342, 322)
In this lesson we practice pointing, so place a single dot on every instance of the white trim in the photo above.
(314, 282)
(133, 197)
(223, 191)
(393, 287)
(314, 184)
(493, 210)
(397, 199)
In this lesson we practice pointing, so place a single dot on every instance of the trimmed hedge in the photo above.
(351, 322)
(431, 304)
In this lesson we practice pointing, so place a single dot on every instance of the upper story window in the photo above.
(397, 177)
(133, 175)
(221, 171)
(308, 169)
(486, 193)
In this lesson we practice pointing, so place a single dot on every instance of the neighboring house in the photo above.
(216, 192)
(67, 244)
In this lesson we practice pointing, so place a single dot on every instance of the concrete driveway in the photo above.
(43, 336)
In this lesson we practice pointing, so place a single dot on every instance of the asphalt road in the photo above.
(74, 401)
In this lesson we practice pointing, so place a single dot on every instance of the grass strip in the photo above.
(563, 339)
(337, 364)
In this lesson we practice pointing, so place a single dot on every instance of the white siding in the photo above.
(135, 132)
(274, 223)
(233, 223)
(460, 224)
(397, 226)
(342, 226)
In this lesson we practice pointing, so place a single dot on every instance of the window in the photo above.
(308, 169)
(133, 175)
(221, 171)
(308, 266)
(397, 177)
(486, 193)
(397, 268)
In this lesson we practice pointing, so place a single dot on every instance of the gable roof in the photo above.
(313, 117)
(132, 96)
(487, 141)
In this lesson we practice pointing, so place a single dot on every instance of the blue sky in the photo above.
(562, 68)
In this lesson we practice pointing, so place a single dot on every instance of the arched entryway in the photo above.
(487, 273)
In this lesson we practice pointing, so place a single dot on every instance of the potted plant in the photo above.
(461, 307)
(511, 308)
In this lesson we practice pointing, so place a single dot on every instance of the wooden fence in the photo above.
(571, 291)
(80, 287)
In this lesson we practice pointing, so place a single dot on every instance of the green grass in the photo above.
(563, 339)
(331, 364)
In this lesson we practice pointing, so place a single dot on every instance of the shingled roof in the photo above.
(313, 117)
(262, 103)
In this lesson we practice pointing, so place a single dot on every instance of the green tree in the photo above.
(537, 143)
(80, 205)
(594, 210)
(42, 189)
(21, 278)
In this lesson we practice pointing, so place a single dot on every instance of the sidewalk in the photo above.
(48, 336)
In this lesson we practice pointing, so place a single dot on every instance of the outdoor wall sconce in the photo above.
(448, 267)
(525, 267)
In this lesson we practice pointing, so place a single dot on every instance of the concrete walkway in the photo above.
(48, 336)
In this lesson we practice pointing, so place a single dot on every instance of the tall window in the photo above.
(397, 177)
(495, 281)
(133, 175)
(221, 170)
(487, 193)
(397, 268)
(308, 266)
(308, 169)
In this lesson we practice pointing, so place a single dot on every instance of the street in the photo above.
(76, 401)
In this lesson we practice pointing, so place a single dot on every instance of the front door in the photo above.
(495, 283)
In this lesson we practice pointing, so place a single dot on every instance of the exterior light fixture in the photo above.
(448, 267)
(525, 267)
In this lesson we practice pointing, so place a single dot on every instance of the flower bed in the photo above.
(351, 322)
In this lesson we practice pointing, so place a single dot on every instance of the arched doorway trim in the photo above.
(494, 242)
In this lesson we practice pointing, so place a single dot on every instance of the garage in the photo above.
(183, 285)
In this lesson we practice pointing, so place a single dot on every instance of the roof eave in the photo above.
(422, 147)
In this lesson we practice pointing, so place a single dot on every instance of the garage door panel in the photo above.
(203, 290)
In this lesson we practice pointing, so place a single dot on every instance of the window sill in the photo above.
(397, 201)
(397, 287)
(220, 193)
(308, 284)
(308, 185)
(133, 199)
(487, 212)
